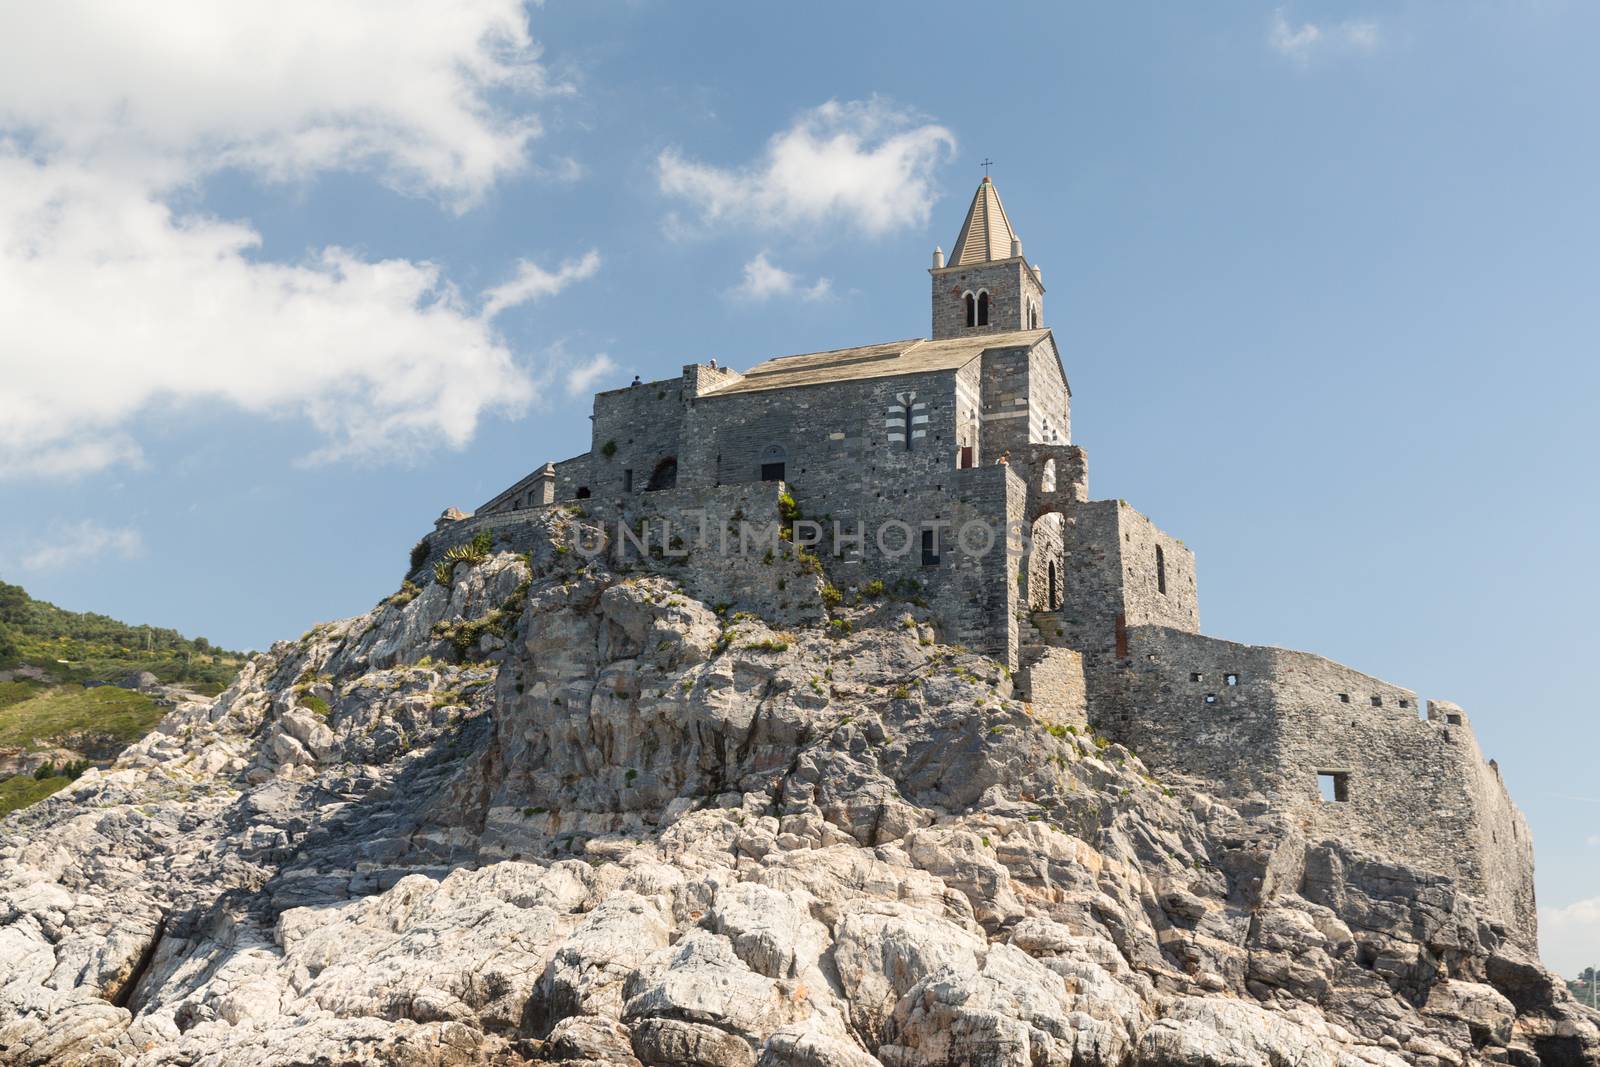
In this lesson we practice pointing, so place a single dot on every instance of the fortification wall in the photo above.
(1287, 724)
(1160, 583)
(1115, 578)
(640, 426)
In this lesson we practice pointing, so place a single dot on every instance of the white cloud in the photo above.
(581, 379)
(1593, 840)
(112, 303)
(283, 89)
(82, 542)
(533, 282)
(864, 163)
(1302, 41)
(764, 280)
(1569, 937)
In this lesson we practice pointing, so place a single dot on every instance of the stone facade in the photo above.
(904, 447)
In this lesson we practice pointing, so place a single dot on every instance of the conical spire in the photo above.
(987, 234)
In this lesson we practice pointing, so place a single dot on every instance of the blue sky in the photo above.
(277, 288)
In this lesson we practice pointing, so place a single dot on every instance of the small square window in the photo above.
(1197, 677)
(1211, 698)
(1453, 719)
(1231, 679)
(1334, 786)
(1344, 698)
(1377, 702)
(1405, 703)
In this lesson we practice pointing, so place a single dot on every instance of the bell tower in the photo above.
(987, 287)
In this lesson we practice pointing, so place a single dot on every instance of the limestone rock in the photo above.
(554, 813)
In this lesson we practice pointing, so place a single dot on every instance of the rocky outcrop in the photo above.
(556, 813)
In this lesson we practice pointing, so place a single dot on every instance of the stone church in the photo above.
(1092, 607)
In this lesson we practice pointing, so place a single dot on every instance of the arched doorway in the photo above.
(1043, 577)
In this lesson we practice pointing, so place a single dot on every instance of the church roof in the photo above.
(987, 234)
(874, 361)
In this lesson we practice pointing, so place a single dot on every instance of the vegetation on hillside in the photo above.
(99, 722)
(82, 646)
(23, 789)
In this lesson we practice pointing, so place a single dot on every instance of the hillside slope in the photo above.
(554, 813)
(81, 647)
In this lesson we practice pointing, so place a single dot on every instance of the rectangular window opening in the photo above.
(1334, 786)
(1344, 698)
(1197, 677)
(1161, 571)
(1211, 698)
(1231, 679)
(1453, 719)
(965, 460)
(930, 549)
(1377, 702)
(627, 481)
(772, 472)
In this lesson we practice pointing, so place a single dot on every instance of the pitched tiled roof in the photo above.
(874, 361)
(987, 233)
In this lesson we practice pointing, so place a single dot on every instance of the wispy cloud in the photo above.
(864, 164)
(764, 280)
(1301, 41)
(82, 542)
(533, 282)
(581, 378)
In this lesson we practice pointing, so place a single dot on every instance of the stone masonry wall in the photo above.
(1005, 399)
(1270, 720)
(1112, 578)
(1054, 686)
(1049, 399)
(1010, 283)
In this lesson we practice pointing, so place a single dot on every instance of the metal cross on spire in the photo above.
(987, 163)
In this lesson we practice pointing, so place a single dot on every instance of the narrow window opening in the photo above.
(1334, 786)
(582, 493)
(983, 309)
(930, 548)
(1230, 679)
(627, 481)
(972, 310)
(1161, 571)
(908, 424)
(1054, 602)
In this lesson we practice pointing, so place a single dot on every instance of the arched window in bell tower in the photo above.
(972, 310)
(983, 308)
